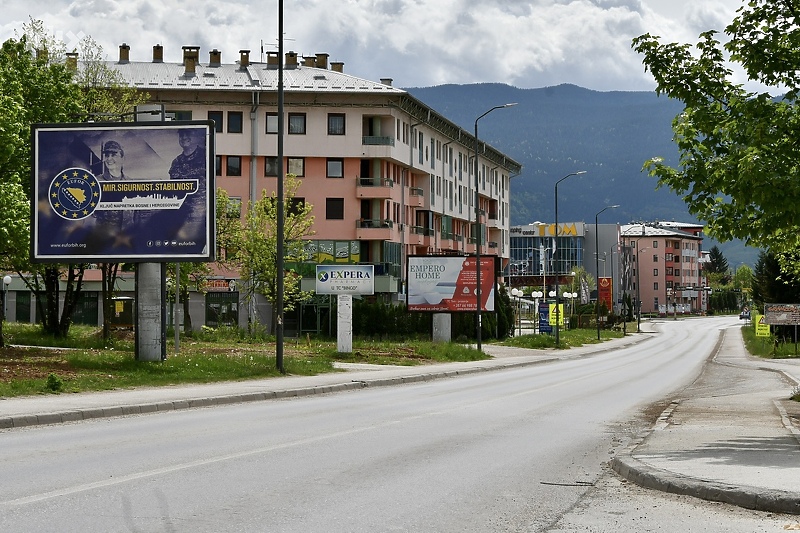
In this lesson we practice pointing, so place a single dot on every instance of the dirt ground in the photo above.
(32, 363)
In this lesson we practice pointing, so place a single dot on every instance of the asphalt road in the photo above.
(517, 450)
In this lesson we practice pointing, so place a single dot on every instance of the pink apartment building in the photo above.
(667, 272)
(387, 176)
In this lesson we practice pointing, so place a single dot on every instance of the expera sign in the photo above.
(345, 279)
(449, 283)
(123, 192)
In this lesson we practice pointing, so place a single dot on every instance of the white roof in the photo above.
(256, 76)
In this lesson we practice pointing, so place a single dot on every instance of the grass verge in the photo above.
(84, 362)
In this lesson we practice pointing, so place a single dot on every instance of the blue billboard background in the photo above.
(114, 192)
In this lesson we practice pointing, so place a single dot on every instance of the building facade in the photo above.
(387, 176)
(667, 271)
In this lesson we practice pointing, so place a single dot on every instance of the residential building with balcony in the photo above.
(387, 176)
(667, 272)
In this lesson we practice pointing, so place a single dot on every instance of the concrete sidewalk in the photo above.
(740, 447)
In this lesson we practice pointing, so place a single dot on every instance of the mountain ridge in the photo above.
(556, 130)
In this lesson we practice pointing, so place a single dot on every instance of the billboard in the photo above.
(123, 192)
(345, 279)
(449, 283)
(782, 314)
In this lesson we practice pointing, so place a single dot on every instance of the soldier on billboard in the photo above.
(113, 159)
(190, 164)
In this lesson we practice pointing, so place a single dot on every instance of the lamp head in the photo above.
(7, 281)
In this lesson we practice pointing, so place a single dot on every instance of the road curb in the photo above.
(759, 499)
(77, 415)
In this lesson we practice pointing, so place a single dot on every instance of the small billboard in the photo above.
(345, 279)
(123, 192)
(446, 284)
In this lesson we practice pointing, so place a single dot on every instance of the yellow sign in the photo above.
(564, 229)
(119, 306)
(553, 314)
(762, 329)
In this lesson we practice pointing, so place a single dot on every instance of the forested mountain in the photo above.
(554, 131)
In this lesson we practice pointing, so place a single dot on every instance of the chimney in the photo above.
(192, 52)
(124, 53)
(309, 61)
(322, 61)
(386, 81)
(72, 61)
(272, 59)
(291, 59)
(158, 54)
(214, 58)
(337, 66)
(244, 58)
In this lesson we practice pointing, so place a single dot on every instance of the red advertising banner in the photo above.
(605, 292)
(445, 284)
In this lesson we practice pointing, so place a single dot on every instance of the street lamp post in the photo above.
(517, 293)
(6, 283)
(478, 233)
(536, 295)
(555, 245)
(597, 263)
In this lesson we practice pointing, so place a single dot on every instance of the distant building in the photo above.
(667, 274)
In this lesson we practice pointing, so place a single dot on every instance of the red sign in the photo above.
(605, 292)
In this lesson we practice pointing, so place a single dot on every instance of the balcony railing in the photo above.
(375, 182)
(373, 140)
(416, 191)
(425, 232)
(374, 223)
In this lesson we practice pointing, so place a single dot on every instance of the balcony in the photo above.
(373, 140)
(420, 236)
(379, 188)
(416, 197)
(374, 229)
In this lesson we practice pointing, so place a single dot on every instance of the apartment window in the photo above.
(334, 208)
(233, 166)
(297, 166)
(655, 259)
(218, 165)
(235, 121)
(271, 166)
(216, 116)
(297, 123)
(180, 115)
(655, 272)
(655, 244)
(335, 123)
(234, 209)
(272, 123)
(295, 206)
(335, 167)
(655, 286)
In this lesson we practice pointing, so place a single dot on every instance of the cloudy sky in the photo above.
(418, 43)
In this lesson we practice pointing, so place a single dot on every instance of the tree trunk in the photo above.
(109, 281)
(187, 318)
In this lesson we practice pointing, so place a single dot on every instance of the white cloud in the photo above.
(416, 42)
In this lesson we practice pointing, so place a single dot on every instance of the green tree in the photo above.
(39, 87)
(717, 269)
(771, 285)
(738, 149)
(257, 252)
